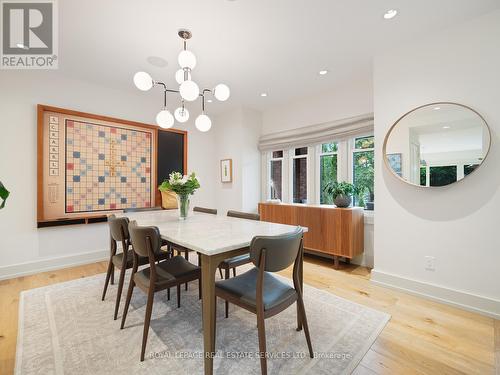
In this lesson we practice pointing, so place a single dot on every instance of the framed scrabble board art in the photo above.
(91, 165)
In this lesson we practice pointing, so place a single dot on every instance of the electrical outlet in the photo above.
(430, 263)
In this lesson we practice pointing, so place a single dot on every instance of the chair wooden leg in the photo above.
(234, 272)
(108, 275)
(186, 255)
(178, 295)
(199, 288)
(119, 292)
(220, 273)
(302, 309)
(147, 320)
(168, 294)
(127, 302)
(261, 327)
(112, 274)
(226, 302)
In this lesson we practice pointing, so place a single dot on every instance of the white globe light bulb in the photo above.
(189, 90)
(203, 123)
(179, 76)
(187, 59)
(165, 119)
(143, 81)
(221, 92)
(181, 114)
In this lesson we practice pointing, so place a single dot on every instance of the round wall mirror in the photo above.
(436, 144)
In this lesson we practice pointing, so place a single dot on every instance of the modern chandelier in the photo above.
(188, 90)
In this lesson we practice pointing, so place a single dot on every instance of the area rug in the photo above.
(66, 329)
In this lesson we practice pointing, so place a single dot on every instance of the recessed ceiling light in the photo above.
(264, 94)
(209, 100)
(323, 72)
(157, 61)
(437, 108)
(391, 13)
(446, 127)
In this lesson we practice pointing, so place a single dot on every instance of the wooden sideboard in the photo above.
(334, 231)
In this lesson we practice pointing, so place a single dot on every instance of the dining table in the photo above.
(214, 238)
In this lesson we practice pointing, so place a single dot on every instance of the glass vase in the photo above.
(183, 204)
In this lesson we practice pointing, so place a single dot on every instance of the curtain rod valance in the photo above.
(307, 135)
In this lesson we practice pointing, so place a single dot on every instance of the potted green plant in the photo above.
(4, 194)
(183, 187)
(341, 192)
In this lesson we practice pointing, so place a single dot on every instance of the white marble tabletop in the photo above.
(206, 233)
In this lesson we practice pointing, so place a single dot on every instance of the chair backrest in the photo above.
(139, 237)
(243, 215)
(118, 227)
(142, 209)
(212, 211)
(281, 251)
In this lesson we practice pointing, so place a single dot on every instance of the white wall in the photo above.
(20, 92)
(458, 224)
(236, 137)
(347, 100)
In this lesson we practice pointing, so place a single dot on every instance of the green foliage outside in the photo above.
(4, 194)
(364, 142)
(328, 173)
(364, 172)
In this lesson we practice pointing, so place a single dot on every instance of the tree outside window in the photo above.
(328, 169)
(363, 171)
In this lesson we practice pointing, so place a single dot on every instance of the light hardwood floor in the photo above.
(422, 337)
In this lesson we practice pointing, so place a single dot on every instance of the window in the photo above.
(328, 169)
(363, 169)
(276, 175)
(423, 176)
(469, 168)
(299, 175)
(441, 176)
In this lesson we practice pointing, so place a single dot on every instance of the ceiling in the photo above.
(254, 46)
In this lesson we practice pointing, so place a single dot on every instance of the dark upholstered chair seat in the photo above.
(244, 286)
(167, 272)
(236, 261)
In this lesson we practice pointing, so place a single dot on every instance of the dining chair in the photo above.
(263, 294)
(146, 242)
(118, 228)
(239, 260)
(212, 211)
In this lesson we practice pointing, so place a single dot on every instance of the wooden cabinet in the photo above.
(334, 231)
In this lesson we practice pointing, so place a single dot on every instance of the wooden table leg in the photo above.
(301, 279)
(208, 268)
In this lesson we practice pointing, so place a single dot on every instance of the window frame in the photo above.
(292, 157)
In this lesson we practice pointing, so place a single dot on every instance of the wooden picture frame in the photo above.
(59, 214)
(226, 170)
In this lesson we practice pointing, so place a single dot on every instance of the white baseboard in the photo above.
(470, 302)
(50, 264)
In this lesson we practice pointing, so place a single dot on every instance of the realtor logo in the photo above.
(29, 35)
